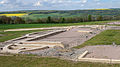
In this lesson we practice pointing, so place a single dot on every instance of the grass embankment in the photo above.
(18, 26)
(104, 38)
(4, 36)
(19, 61)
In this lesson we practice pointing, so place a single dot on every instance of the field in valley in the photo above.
(9, 15)
(35, 14)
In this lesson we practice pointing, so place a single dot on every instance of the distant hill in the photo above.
(67, 13)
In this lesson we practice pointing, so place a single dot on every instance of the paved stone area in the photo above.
(103, 51)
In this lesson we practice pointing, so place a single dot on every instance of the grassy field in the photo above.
(55, 15)
(11, 35)
(103, 9)
(9, 15)
(22, 61)
(36, 16)
(71, 13)
(17, 26)
(104, 38)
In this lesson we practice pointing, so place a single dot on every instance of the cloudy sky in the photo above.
(11, 5)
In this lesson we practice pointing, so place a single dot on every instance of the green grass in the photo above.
(35, 16)
(14, 34)
(22, 61)
(104, 38)
(16, 26)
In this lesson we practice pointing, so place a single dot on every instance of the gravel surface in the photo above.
(114, 23)
(1, 35)
(103, 51)
(72, 37)
(69, 38)
(58, 52)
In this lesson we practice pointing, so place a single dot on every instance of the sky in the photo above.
(13, 5)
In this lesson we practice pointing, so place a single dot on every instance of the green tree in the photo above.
(63, 20)
(49, 20)
(99, 18)
(89, 17)
(19, 20)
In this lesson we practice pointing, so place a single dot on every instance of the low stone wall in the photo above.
(46, 35)
(100, 60)
(26, 29)
(46, 43)
(83, 55)
(20, 38)
(81, 58)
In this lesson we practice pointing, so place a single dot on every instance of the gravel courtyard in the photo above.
(103, 52)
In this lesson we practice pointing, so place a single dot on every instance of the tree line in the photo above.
(89, 18)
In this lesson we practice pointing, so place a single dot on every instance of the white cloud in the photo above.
(84, 1)
(43, 4)
(98, 3)
(96, 0)
(38, 4)
(2, 2)
(63, 1)
(45, 0)
(60, 1)
(54, 1)
(55, 4)
(82, 5)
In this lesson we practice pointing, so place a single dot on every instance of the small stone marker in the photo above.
(114, 44)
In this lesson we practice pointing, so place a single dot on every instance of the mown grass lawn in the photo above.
(22, 61)
(104, 38)
(18, 26)
(4, 36)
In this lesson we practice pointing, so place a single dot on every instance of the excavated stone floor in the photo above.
(73, 37)
(69, 37)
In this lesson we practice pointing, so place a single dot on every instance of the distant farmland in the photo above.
(35, 14)
(103, 9)
(9, 15)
